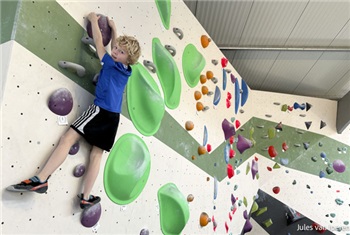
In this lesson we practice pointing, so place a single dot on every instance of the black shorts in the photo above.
(98, 126)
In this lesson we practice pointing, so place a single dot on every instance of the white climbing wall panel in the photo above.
(30, 132)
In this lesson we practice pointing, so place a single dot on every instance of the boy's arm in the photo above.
(97, 36)
(114, 32)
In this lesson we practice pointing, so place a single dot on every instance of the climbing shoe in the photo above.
(90, 202)
(30, 185)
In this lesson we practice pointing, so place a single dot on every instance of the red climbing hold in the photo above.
(208, 148)
(284, 146)
(230, 171)
(238, 124)
(224, 62)
(228, 103)
(272, 151)
(232, 139)
(276, 189)
(232, 153)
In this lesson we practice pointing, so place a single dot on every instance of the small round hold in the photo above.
(197, 95)
(205, 90)
(189, 125)
(190, 198)
(199, 106)
(201, 150)
(144, 231)
(74, 149)
(79, 170)
(210, 74)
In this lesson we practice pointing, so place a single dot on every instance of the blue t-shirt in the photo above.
(111, 83)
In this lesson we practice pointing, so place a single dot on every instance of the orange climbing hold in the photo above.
(205, 40)
(189, 125)
(201, 150)
(197, 95)
(203, 79)
(210, 74)
(204, 219)
(199, 106)
(205, 90)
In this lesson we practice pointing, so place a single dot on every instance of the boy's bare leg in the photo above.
(93, 169)
(59, 154)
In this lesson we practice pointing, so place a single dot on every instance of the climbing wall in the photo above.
(226, 180)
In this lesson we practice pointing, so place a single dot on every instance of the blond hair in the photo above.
(132, 46)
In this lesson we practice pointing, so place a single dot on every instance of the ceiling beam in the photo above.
(343, 114)
(286, 48)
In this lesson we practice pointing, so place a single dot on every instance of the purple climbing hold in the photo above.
(61, 102)
(105, 29)
(245, 214)
(254, 168)
(233, 199)
(79, 170)
(247, 226)
(339, 166)
(91, 216)
(233, 78)
(74, 149)
(243, 144)
(228, 128)
(144, 232)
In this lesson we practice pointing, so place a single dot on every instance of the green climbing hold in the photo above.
(144, 100)
(267, 223)
(339, 201)
(127, 169)
(193, 63)
(276, 166)
(255, 207)
(173, 209)
(247, 169)
(164, 10)
(271, 132)
(167, 73)
(245, 201)
(314, 159)
(261, 211)
(284, 108)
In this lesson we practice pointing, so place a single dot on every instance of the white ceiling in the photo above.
(299, 47)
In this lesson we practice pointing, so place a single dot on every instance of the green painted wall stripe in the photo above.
(8, 14)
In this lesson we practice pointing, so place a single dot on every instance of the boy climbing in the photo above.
(99, 123)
